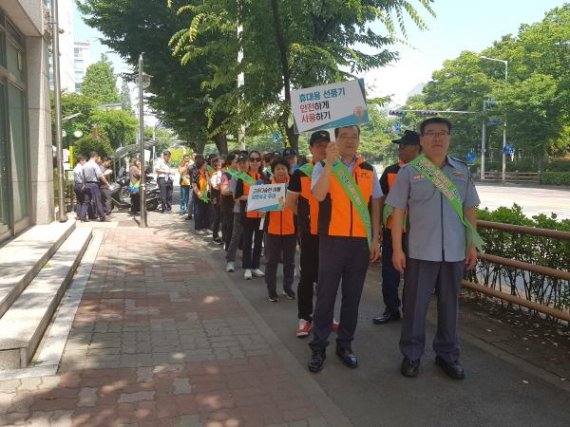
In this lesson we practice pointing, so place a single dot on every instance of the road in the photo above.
(533, 200)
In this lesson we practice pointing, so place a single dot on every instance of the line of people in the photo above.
(333, 211)
(91, 185)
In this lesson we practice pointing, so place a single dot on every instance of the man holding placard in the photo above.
(349, 193)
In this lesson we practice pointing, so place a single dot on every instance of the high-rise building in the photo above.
(81, 55)
(66, 42)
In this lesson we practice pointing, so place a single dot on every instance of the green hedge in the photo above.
(545, 251)
(555, 178)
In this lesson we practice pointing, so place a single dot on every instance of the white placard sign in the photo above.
(329, 106)
(266, 197)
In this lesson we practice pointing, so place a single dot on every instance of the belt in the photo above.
(92, 182)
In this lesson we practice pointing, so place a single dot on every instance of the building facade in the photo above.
(26, 168)
(81, 59)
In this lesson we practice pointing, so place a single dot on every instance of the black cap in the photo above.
(289, 152)
(320, 135)
(408, 138)
(242, 158)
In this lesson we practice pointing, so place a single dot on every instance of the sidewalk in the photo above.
(163, 338)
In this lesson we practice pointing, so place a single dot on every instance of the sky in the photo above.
(459, 25)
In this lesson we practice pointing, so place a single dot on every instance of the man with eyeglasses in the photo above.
(439, 197)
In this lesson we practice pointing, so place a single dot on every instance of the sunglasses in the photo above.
(255, 159)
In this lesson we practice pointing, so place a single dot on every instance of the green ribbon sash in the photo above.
(448, 188)
(344, 177)
(245, 177)
(307, 169)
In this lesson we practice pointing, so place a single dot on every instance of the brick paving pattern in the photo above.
(159, 340)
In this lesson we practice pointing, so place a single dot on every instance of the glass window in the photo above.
(2, 48)
(15, 62)
(19, 153)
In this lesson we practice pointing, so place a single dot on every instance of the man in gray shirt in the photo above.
(438, 252)
(93, 178)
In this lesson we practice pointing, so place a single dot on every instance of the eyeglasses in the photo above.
(255, 159)
(441, 134)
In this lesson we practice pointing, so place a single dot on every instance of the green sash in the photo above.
(344, 177)
(245, 177)
(204, 197)
(448, 188)
(307, 169)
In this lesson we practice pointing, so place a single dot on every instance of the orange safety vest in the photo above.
(391, 178)
(308, 206)
(256, 176)
(281, 223)
(337, 215)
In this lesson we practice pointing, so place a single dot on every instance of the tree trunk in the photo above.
(221, 141)
(291, 139)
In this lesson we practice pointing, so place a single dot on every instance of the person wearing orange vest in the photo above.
(306, 208)
(408, 149)
(281, 239)
(252, 235)
(349, 193)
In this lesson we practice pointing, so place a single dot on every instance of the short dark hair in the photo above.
(279, 161)
(199, 161)
(93, 154)
(337, 130)
(435, 120)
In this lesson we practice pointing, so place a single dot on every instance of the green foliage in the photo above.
(117, 126)
(99, 83)
(558, 166)
(537, 250)
(87, 144)
(555, 178)
(73, 103)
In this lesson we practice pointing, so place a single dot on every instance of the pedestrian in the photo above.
(106, 168)
(408, 149)
(281, 239)
(306, 208)
(135, 176)
(216, 194)
(164, 179)
(346, 187)
(185, 187)
(227, 197)
(201, 194)
(252, 234)
(290, 155)
(439, 196)
(94, 180)
(80, 190)
(237, 226)
(268, 158)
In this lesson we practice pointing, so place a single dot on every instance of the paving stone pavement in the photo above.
(161, 339)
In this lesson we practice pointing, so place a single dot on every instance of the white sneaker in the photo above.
(257, 273)
(230, 268)
(247, 274)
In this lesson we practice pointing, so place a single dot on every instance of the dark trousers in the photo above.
(202, 214)
(252, 240)
(236, 238)
(280, 248)
(165, 186)
(309, 263)
(215, 219)
(107, 200)
(135, 202)
(227, 227)
(83, 200)
(390, 276)
(344, 261)
(95, 192)
(422, 277)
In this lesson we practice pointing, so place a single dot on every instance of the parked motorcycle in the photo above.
(121, 196)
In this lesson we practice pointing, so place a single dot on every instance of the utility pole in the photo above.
(142, 188)
(483, 141)
(57, 99)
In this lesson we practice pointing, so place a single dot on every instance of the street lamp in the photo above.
(143, 80)
(503, 155)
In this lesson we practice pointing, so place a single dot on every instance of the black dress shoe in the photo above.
(317, 360)
(386, 317)
(410, 368)
(452, 369)
(347, 357)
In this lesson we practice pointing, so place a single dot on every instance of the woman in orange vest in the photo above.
(281, 239)
(252, 235)
(200, 187)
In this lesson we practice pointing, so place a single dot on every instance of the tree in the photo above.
(99, 83)
(88, 143)
(117, 126)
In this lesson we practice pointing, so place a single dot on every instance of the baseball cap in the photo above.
(321, 135)
(408, 138)
(289, 152)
